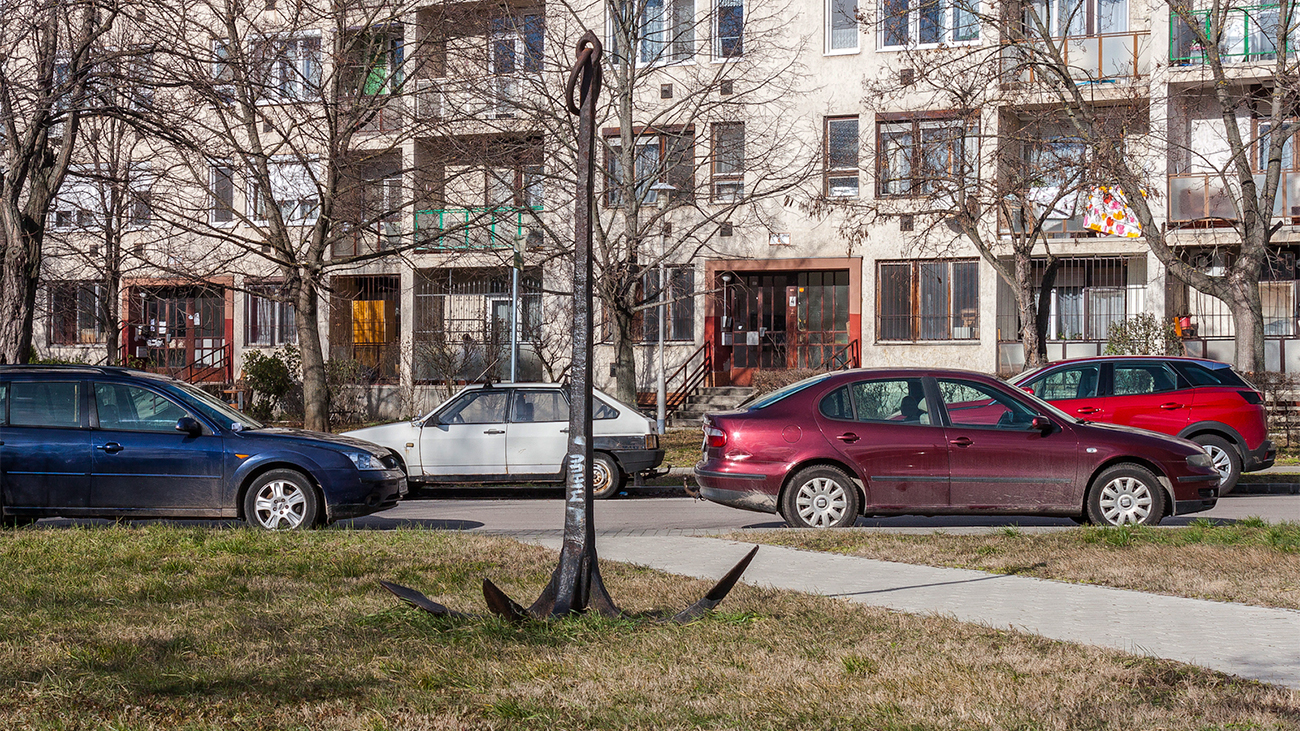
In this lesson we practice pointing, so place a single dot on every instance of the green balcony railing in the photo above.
(1244, 34)
(471, 229)
(1210, 197)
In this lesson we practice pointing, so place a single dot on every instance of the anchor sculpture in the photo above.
(576, 585)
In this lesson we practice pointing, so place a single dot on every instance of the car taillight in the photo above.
(652, 441)
(1251, 397)
(714, 438)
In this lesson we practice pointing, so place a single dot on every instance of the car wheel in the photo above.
(281, 500)
(820, 497)
(1225, 458)
(606, 477)
(1126, 494)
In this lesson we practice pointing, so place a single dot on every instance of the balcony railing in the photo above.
(1210, 197)
(1110, 56)
(471, 229)
(1247, 34)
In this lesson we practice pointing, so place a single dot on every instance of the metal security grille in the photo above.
(928, 300)
(462, 322)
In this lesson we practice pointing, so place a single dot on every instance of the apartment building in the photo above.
(764, 272)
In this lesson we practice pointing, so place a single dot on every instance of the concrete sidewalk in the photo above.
(1252, 642)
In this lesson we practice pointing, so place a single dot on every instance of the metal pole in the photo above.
(661, 397)
(514, 324)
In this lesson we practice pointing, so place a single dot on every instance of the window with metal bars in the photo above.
(268, 320)
(841, 157)
(75, 313)
(928, 300)
(679, 310)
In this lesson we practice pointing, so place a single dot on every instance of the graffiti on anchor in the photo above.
(577, 476)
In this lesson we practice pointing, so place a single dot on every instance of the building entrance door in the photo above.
(181, 332)
(786, 320)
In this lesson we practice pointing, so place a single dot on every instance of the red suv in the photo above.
(1201, 400)
(825, 450)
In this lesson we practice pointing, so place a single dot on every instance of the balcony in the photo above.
(1209, 197)
(1091, 59)
(1248, 34)
(471, 229)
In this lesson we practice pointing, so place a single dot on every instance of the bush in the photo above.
(269, 377)
(1143, 334)
(766, 381)
(342, 376)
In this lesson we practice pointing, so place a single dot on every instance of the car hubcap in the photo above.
(600, 477)
(1125, 501)
(821, 502)
(1222, 462)
(280, 504)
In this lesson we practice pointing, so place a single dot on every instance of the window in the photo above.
(479, 407)
(926, 157)
(972, 404)
(1264, 143)
(1066, 384)
(533, 407)
(267, 320)
(288, 67)
(837, 405)
(842, 157)
(679, 312)
(663, 33)
(75, 313)
(910, 23)
(379, 55)
(928, 300)
(899, 401)
(841, 25)
(45, 403)
(4, 401)
(667, 157)
(729, 28)
(221, 178)
(131, 408)
(728, 162)
(1139, 378)
(293, 188)
(1079, 17)
(223, 73)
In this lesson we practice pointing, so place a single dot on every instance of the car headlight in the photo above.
(1200, 460)
(365, 461)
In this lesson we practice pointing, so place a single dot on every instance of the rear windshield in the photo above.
(768, 399)
(1221, 375)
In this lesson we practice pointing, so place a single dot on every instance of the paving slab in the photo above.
(1252, 642)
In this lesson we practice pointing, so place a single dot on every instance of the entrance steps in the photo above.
(711, 398)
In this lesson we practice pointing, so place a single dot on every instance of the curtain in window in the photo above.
(965, 24)
(1105, 308)
(1277, 301)
(965, 300)
(895, 302)
(1069, 313)
(731, 25)
(843, 24)
(1112, 16)
(896, 159)
(683, 31)
(654, 31)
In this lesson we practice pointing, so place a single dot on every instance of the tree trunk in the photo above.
(624, 356)
(1033, 325)
(21, 278)
(1043, 315)
(1248, 322)
(315, 394)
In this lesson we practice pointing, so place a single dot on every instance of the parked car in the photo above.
(1202, 400)
(517, 432)
(103, 442)
(823, 451)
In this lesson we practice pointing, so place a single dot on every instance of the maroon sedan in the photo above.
(825, 450)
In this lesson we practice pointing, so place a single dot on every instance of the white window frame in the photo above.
(734, 180)
(668, 55)
(829, 48)
(279, 87)
(715, 27)
(914, 26)
(841, 173)
(294, 216)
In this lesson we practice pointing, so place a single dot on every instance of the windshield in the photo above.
(1048, 409)
(217, 410)
(1026, 376)
(771, 398)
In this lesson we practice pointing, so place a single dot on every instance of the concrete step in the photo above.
(742, 391)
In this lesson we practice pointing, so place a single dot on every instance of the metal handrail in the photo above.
(851, 349)
(691, 379)
(1242, 36)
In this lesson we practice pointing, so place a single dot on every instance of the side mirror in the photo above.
(189, 425)
(1042, 424)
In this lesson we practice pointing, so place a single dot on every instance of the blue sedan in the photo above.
(105, 442)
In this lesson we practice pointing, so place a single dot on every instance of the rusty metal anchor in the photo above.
(576, 585)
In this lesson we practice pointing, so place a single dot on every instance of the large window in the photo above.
(841, 157)
(221, 178)
(267, 320)
(928, 300)
(293, 189)
(663, 32)
(288, 67)
(679, 312)
(926, 156)
(1079, 17)
(728, 162)
(841, 25)
(668, 157)
(911, 23)
(729, 28)
(377, 65)
(76, 313)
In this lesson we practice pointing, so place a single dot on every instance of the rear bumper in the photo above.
(638, 460)
(1259, 459)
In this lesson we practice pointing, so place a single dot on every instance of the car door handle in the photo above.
(1088, 410)
(565, 430)
(111, 447)
(494, 431)
(1171, 406)
(961, 442)
(848, 436)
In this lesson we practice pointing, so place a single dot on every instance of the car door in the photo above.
(1149, 395)
(1073, 389)
(45, 460)
(887, 428)
(996, 459)
(537, 437)
(469, 436)
(141, 462)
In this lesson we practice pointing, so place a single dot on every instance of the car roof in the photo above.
(83, 369)
(1103, 358)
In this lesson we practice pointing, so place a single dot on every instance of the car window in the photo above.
(216, 409)
(898, 400)
(4, 402)
(977, 404)
(131, 408)
(768, 399)
(45, 403)
(1139, 378)
(539, 406)
(1199, 375)
(479, 407)
(837, 405)
(602, 410)
(1067, 383)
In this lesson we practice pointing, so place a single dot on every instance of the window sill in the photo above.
(843, 51)
(964, 341)
(927, 46)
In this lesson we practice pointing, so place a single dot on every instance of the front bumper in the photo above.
(379, 491)
(1259, 459)
(747, 491)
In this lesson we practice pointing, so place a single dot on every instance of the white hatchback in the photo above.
(517, 432)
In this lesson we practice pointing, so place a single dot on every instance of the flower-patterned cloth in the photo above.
(1107, 211)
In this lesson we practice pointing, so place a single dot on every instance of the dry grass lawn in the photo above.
(682, 447)
(161, 627)
(1249, 561)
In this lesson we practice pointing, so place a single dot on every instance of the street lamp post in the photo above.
(662, 192)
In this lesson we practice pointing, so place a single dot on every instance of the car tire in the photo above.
(281, 500)
(821, 497)
(1126, 494)
(606, 477)
(1226, 460)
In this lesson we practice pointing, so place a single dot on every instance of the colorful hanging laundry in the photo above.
(1107, 211)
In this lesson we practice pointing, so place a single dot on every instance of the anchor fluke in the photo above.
(420, 601)
(717, 593)
(502, 605)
